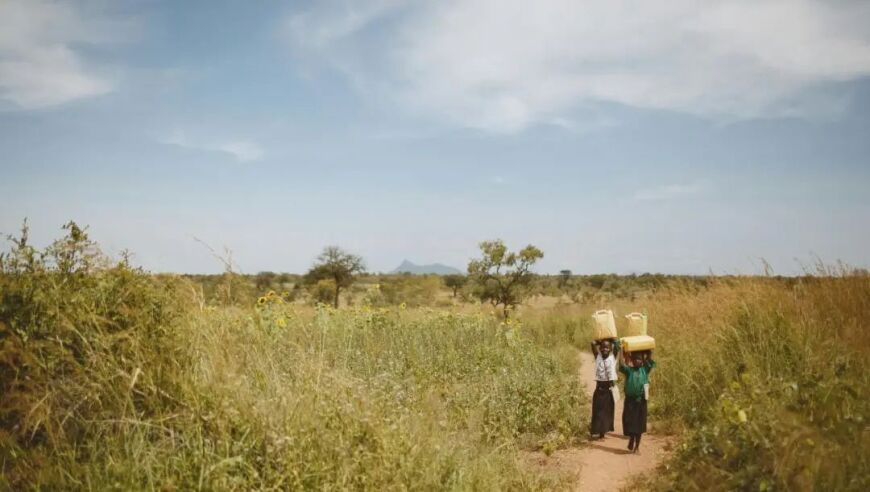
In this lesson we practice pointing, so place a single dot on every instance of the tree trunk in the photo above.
(335, 301)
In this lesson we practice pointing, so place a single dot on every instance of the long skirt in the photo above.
(602, 408)
(634, 416)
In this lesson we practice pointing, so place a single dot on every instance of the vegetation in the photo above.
(112, 378)
(769, 381)
(455, 282)
(334, 270)
(763, 381)
(501, 276)
(115, 379)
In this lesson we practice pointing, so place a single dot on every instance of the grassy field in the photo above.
(112, 378)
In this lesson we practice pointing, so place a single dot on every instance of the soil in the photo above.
(604, 464)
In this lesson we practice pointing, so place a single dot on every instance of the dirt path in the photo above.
(606, 464)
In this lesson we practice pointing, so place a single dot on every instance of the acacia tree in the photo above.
(455, 282)
(500, 276)
(338, 266)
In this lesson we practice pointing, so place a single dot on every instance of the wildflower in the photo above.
(261, 301)
(285, 294)
(281, 322)
(741, 416)
(403, 306)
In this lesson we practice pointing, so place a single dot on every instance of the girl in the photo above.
(634, 412)
(602, 398)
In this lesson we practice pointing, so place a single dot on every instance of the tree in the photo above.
(564, 278)
(336, 265)
(455, 282)
(502, 277)
(264, 280)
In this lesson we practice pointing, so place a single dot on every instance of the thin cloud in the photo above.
(504, 66)
(670, 191)
(39, 66)
(240, 150)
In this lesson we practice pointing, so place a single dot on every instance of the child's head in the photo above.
(637, 358)
(605, 348)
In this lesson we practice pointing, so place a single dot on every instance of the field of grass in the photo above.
(112, 378)
(115, 379)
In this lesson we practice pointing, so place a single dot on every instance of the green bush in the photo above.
(82, 346)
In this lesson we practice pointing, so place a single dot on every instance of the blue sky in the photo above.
(616, 136)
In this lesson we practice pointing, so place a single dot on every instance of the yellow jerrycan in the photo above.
(638, 343)
(604, 325)
(636, 324)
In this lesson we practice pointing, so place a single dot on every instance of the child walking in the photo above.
(634, 412)
(602, 398)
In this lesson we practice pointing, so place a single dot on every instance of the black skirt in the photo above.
(602, 408)
(634, 416)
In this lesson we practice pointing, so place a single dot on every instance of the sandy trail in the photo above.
(606, 464)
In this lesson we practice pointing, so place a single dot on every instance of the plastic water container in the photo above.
(604, 326)
(638, 343)
(636, 324)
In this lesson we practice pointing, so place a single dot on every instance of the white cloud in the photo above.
(670, 191)
(240, 150)
(39, 65)
(503, 65)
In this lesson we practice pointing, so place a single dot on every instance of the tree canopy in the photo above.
(335, 265)
(455, 282)
(501, 276)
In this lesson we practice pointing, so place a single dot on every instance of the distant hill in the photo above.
(434, 268)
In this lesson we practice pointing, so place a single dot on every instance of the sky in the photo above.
(623, 137)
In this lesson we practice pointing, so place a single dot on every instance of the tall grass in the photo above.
(769, 382)
(114, 379)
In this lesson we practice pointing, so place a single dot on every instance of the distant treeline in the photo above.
(437, 290)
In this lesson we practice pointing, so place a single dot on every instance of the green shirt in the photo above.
(635, 378)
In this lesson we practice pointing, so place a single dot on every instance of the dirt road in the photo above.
(606, 464)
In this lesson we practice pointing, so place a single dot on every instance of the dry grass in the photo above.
(114, 379)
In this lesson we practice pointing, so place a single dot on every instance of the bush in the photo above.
(83, 347)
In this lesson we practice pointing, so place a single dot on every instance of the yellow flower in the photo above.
(741, 416)
(285, 294)
(261, 301)
(403, 306)
(271, 293)
(281, 322)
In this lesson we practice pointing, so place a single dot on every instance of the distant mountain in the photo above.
(435, 268)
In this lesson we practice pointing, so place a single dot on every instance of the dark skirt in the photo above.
(602, 408)
(634, 416)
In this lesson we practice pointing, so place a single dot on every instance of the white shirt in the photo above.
(605, 369)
